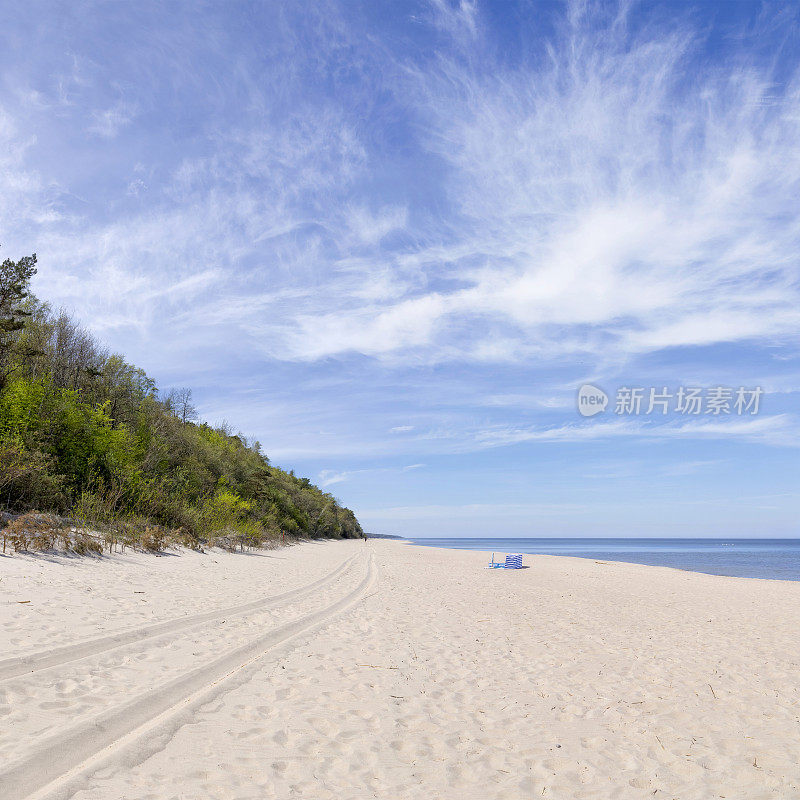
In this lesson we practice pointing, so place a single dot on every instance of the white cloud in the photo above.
(369, 228)
(470, 511)
(599, 206)
(576, 207)
(777, 429)
(109, 122)
(456, 17)
(329, 477)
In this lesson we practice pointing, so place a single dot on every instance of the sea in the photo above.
(777, 559)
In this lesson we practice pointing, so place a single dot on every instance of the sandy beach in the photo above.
(383, 670)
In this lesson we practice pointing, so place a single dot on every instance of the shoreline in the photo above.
(610, 560)
(385, 670)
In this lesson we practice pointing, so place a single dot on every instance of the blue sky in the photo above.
(390, 241)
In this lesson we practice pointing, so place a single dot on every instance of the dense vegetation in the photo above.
(87, 435)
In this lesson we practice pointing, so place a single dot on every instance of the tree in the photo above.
(83, 432)
(179, 401)
(15, 277)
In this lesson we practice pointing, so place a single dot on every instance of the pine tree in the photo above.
(15, 277)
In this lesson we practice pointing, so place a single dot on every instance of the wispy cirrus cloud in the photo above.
(597, 202)
(329, 477)
(778, 429)
(109, 122)
(332, 220)
(600, 203)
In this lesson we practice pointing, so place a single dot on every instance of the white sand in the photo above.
(403, 672)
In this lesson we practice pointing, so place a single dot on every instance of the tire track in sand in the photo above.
(161, 711)
(44, 659)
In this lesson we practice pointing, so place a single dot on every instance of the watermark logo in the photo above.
(591, 400)
(685, 401)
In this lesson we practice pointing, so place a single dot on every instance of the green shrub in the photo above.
(85, 433)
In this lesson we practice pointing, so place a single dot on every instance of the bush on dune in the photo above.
(85, 434)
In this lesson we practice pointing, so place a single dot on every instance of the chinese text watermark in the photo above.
(685, 400)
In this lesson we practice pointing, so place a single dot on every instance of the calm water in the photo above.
(743, 558)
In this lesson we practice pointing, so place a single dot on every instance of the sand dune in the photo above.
(344, 670)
